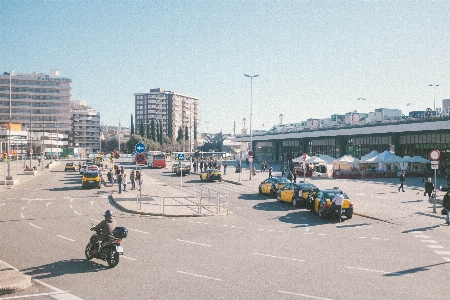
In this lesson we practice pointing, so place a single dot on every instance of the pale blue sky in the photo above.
(314, 58)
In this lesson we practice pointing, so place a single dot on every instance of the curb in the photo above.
(121, 208)
(12, 280)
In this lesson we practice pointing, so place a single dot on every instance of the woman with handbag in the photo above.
(446, 205)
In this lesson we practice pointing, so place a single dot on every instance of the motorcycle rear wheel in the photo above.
(88, 251)
(113, 258)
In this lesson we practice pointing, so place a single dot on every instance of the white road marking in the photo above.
(62, 296)
(70, 206)
(48, 203)
(303, 295)
(138, 231)
(446, 258)
(1, 204)
(95, 220)
(23, 207)
(194, 243)
(202, 276)
(92, 202)
(77, 213)
(128, 257)
(428, 241)
(66, 238)
(35, 226)
(361, 237)
(378, 271)
(422, 236)
(22, 216)
(443, 252)
(273, 256)
(435, 246)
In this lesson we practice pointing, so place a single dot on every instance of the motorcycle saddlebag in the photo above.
(120, 232)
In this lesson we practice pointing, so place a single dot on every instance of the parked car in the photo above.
(323, 200)
(296, 193)
(83, 169)
(211, 175)
(70, 167)
(184, 170)
(270, 186)
(91, 179)
(175, 167)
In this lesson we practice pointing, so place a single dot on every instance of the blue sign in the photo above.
(140, 148)
(180, 156)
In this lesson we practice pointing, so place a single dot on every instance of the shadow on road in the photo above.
(414, 270)
(72, 266)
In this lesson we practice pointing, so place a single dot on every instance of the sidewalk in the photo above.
(11, 279)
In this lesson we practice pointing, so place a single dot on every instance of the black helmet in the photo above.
(108, 213)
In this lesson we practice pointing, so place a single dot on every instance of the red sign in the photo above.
(435, 155)
(250, 153)
(141, 159)
(304, 156)
(116, 155)
(9, 151)
(31, 151)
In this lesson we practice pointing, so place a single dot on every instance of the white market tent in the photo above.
(315, 160)
(380, 158)
(300, 159)
(419, 159)
(327, 158)
(345, 162)
(369, 155)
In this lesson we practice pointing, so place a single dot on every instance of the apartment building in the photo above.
(37, 105)
(170, 109)
(86, 131)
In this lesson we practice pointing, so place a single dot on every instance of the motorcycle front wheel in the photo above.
(113, 258)
(88, 251)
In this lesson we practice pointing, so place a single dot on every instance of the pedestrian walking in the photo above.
(201, 166)
(270, 171)
(119, 182)
(290, 176)
(194, 165)
(124, 181)
(336, 206)
(429, 188)
(225, 165)
(283, 171)
(446, 205)
(402, 181)
(132, 179)
(253, 173)
(295, 176)
(138, 179)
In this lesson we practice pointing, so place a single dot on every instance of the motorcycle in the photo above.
(109, 250)
(110, 177)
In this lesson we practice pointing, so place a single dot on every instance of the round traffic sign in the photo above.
(31, 151)
(435, 155)
(140, 148)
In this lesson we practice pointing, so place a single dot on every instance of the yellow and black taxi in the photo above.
(211, 175)
(91, 179)
(323, 201)
(175, 167)
(70, 166)
(270, 186)
(184, 170)
(298, 194)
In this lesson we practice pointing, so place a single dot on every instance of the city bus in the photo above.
(156, 159)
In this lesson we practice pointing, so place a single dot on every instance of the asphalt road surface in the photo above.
(263, 250)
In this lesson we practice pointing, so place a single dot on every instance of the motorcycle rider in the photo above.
(106, 226)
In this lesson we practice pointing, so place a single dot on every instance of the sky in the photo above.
(313, 58)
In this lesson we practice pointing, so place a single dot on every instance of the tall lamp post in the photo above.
(9, 136)
(250, 159)
(434, 94)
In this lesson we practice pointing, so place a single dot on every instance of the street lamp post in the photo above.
(281, 119)
(9, 136)
(250, 159)
(434, 95)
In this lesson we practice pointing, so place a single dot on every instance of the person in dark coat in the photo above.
(446, 205)
(402, 181)
(429, 188)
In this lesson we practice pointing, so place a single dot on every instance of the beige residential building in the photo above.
(170, 109)
(86, 127)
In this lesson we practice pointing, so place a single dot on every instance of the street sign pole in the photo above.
(435, 155)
